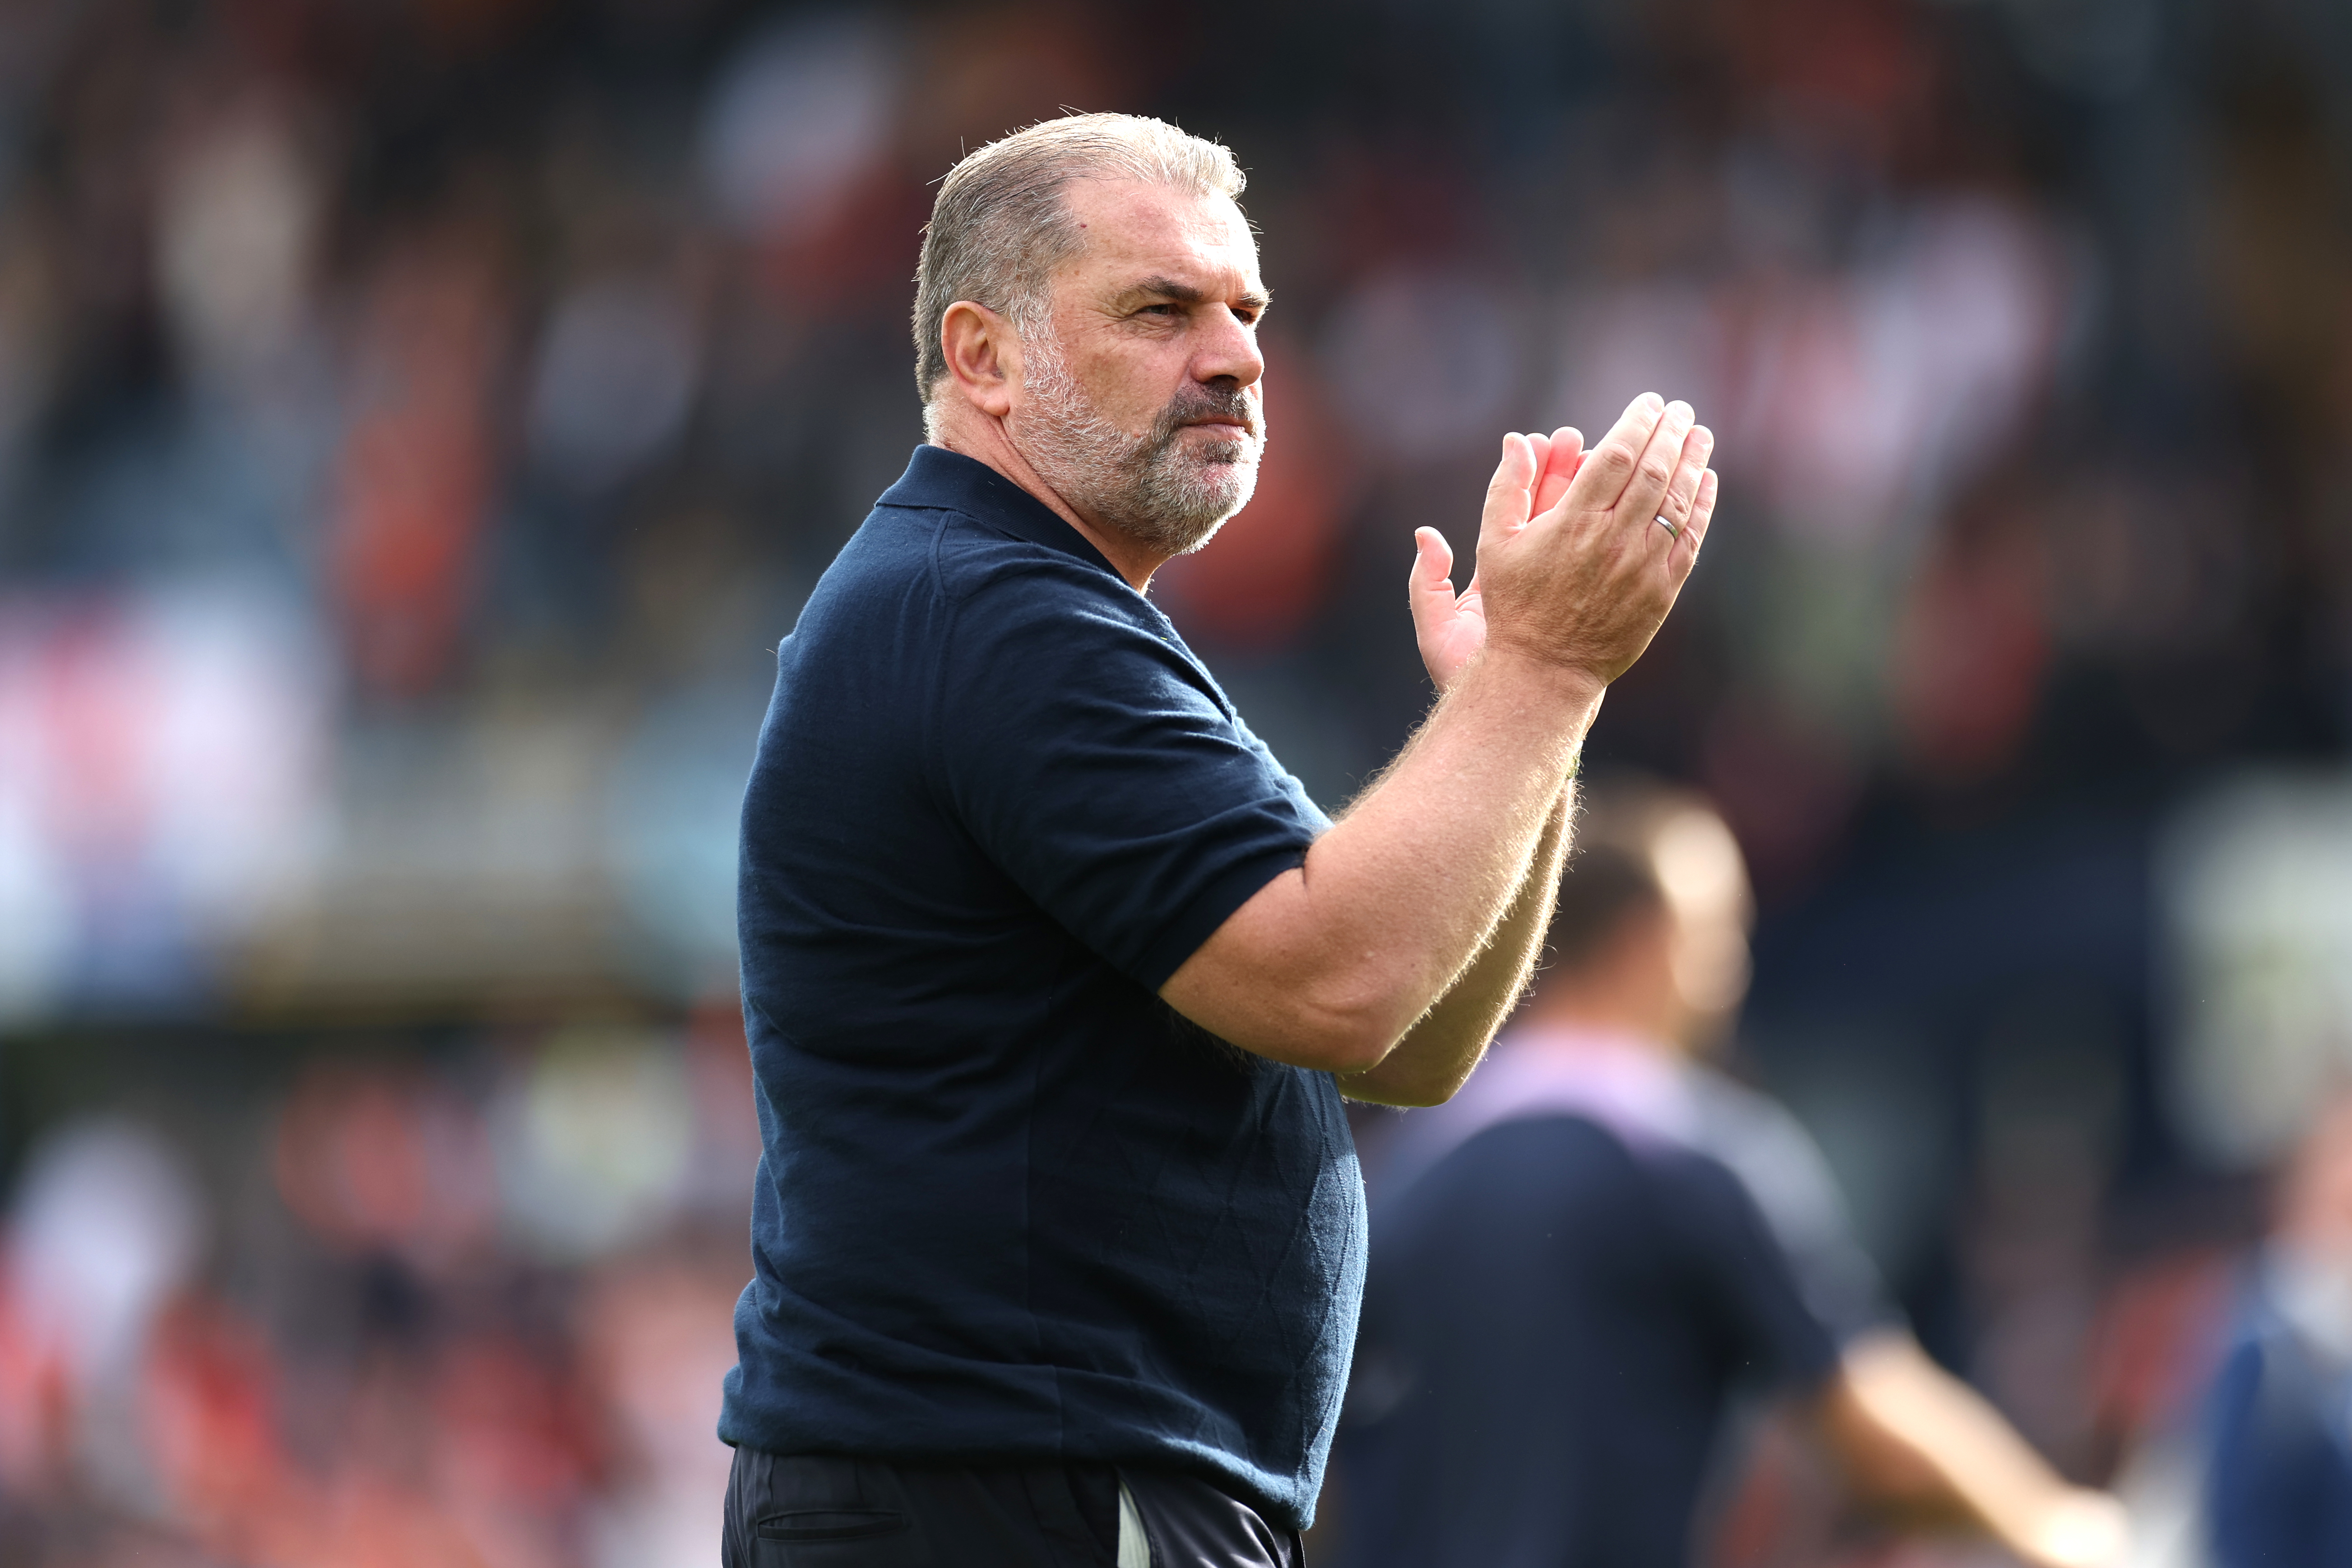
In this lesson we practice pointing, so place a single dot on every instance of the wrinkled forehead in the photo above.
(1133, 229)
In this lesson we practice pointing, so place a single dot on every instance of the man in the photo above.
(2278, 1485)
(1053, 977)
(1578, 1261)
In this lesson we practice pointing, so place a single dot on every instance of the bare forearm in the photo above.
(1437, 1053)
(1331, 964)
(1914, 1436)
(1330, 967)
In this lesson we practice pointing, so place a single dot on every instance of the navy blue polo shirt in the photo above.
(1012, 1206)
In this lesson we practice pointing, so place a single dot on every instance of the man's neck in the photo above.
(985, 441)
(1596, 1013)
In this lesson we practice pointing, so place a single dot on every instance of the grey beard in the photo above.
(1150, 488)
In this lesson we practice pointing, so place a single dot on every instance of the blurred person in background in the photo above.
(2278, 1488)
(1579, 1261)
(1054, 977)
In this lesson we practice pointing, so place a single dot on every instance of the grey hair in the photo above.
(999, 228)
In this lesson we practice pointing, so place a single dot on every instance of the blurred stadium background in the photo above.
(420, 419)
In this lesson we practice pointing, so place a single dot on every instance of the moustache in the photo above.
(1199, 405)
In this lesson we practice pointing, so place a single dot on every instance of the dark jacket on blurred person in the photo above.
(2278, 1485)
(1570, 1277)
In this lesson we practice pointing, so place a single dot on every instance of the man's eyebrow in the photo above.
(1186, 294)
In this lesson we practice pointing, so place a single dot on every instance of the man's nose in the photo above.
(1230, 351)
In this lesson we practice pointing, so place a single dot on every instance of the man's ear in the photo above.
(984, 356)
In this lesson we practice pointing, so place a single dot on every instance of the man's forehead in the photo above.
(1136, 230)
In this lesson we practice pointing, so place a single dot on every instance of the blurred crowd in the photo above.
(468, 1307)
(420, 420)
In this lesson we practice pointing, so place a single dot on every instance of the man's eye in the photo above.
(1162, 309)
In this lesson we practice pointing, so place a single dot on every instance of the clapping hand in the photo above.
(1580, 555)
(1451, 627)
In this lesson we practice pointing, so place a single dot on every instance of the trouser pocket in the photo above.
(822, 1511)
(832, 1524)
(837, 1538)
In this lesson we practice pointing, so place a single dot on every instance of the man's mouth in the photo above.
(1221, 422)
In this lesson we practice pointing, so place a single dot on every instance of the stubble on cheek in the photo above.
(1162, 488)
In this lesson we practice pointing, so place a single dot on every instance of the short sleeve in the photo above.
(1094, 762)
(1754, 1296)
(1784, 1171)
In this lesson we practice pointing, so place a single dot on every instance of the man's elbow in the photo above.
(1380, 1054)
(1357, 1044)
(1333, 1028)
(1373, 1088)
(1327, 1041)
(1325, 1017)
(1880, 1462)
(1410, 1081)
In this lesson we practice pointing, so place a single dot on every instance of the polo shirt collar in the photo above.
(950, 481)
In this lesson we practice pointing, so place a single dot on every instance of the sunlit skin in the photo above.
(1165, 292)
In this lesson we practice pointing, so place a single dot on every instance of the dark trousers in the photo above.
(820, 1510)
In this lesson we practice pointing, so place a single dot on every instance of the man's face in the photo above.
(1139, 396)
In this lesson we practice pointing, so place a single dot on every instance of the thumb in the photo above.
(1432, 560)
(1429, 594)
(1510, 495)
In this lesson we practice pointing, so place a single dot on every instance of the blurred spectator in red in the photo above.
(418, 464)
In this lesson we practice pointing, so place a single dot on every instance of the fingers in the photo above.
(1644, 495)
(1564, 456)
(1508, 493)
(1602, 481)
(1540, 444)
(1701, 512)
(1683, 490)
